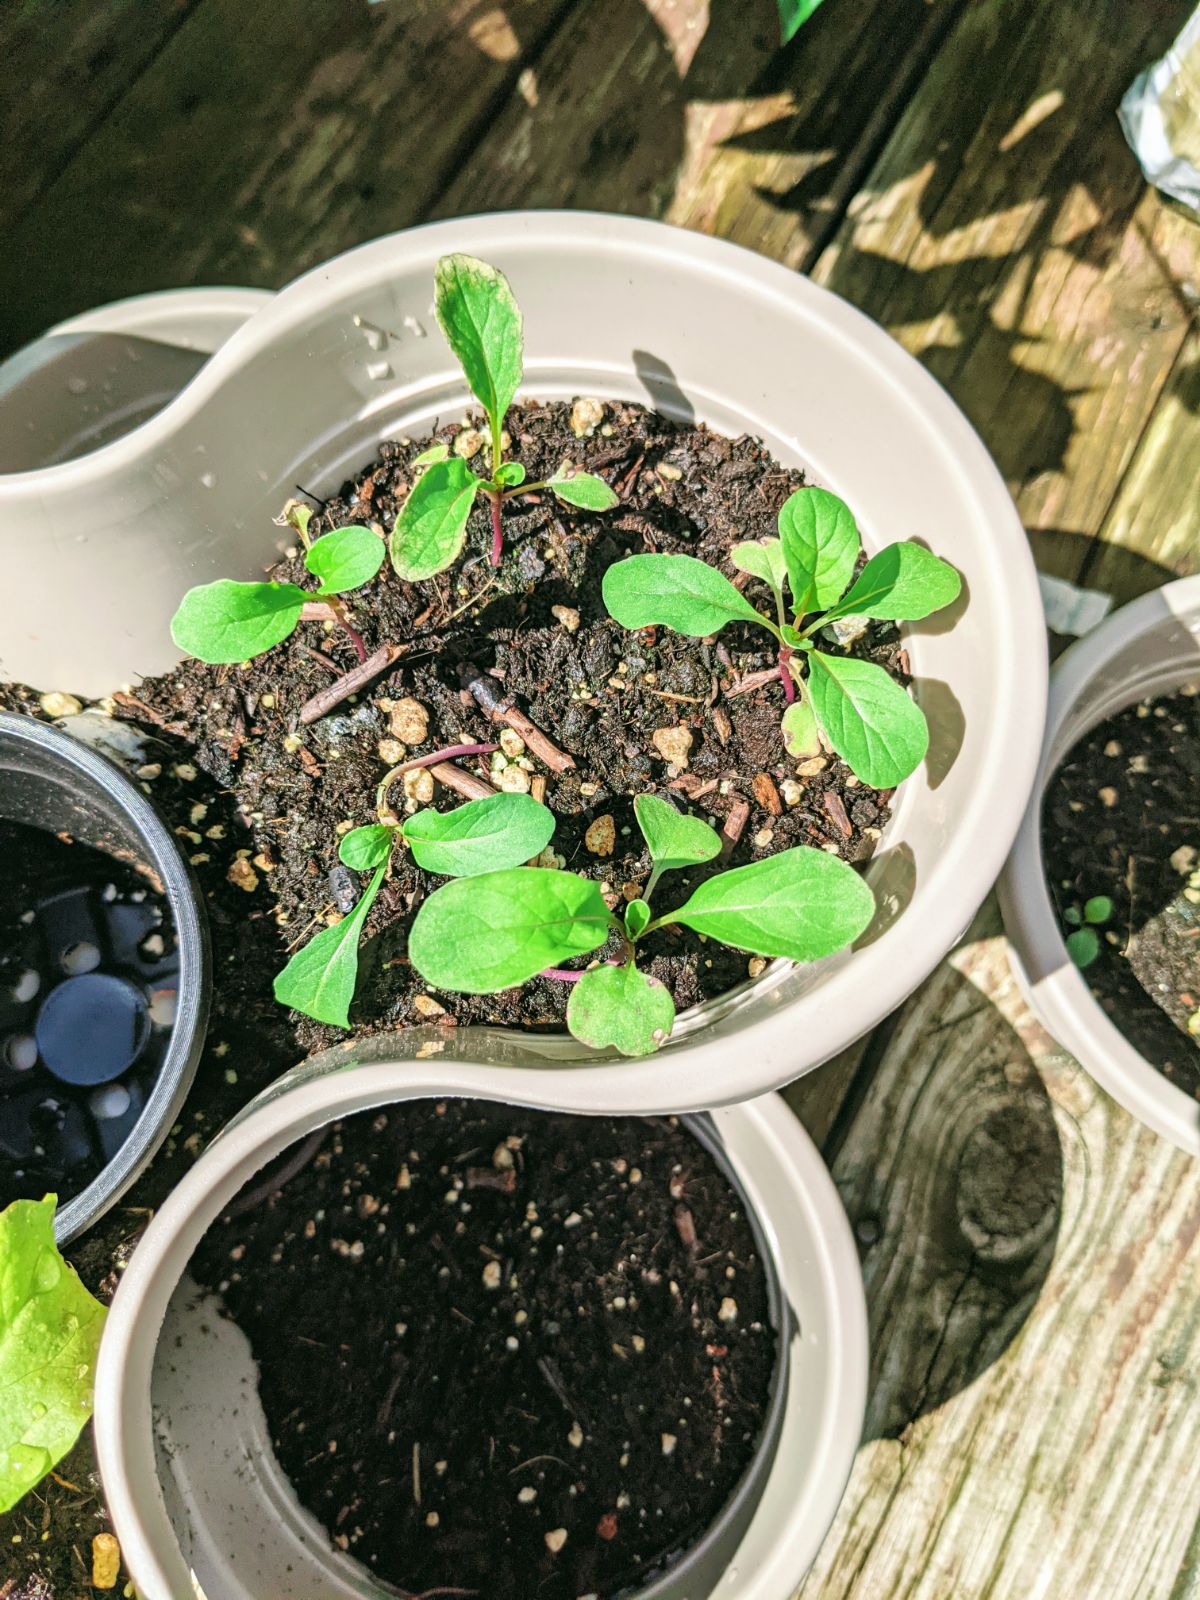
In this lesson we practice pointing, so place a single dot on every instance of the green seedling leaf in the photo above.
(583, 489)
(226, 621)
(1073, 916)
(510, 475)
(800, 736)
(320, 979)
(367, 847)
(901, 584)
(637, 915)
(436, 452)
(674, 840)
(820, 545)
(793, 14)
(345, 559)
(480, 935)
(677, 591)
(1098, 909)
(762, 559)
(1083, 946)
(622, 1008)
(801, 903)
(487, 835)
(432, 524)
(296, 514)
(49, 1333)
(479, 315)
(864, 714)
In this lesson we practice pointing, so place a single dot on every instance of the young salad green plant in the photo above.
(502, 928)
(502, 830)
(227, 621)
(1083, 942)
(856, 707)
(481, 320)
(49, 1334)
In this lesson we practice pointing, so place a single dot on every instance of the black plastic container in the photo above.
(50, 781)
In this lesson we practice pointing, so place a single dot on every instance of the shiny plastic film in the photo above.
(1161, 118)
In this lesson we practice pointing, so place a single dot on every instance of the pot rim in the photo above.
(1054, 988)
(87, 769)
(322, 1089)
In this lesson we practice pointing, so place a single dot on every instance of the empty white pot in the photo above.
(197, 1499)
(1149, 647)
(615, 307)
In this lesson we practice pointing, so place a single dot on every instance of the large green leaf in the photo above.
(801, 903)
(622, 1008)
(319, 979)
(480, 935)
(583, 489)
(49, 1333)
(677, 591)
(820, 545)
(901, 584)
(872, 723)
(674, 840)
(345, 559)
(502, 830)
(479, 315)
(432, 524)
(226, 621)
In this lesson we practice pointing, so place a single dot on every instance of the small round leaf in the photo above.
(622, 1009)
(345, 559)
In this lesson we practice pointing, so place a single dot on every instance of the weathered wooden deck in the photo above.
(955, 168)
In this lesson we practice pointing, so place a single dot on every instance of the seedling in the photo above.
(227, 621)
(501, 831)
(1083, 943)
(500, 929)
(49, 1334)
(854, 706)
(481, 320)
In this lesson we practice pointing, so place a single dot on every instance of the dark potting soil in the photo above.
(534, 629)
(504, 1353)
(88, 988)
(1121, 818)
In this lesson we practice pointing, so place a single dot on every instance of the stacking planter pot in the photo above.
(198, 1500)
(350, 355)
(1150, 647)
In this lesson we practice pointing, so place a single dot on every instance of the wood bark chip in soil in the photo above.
(535, 630)
(503, 1352)
(1121, 818)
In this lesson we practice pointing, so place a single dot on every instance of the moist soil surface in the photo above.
(1121, 818)
(533, 631)
(503, 1353)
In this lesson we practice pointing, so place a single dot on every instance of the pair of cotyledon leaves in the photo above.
(856, 706)
(497, 923)
(481, 320)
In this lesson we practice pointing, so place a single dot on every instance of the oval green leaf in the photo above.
(480, 935)
(583, 489)
(486, 835)
(873, 724)
(479, 315)
(225, 621)
(674, 839)
(799, 727)
(622, 1009)
(762, 559)
(510, 475)
(677, 591)
(1098, 909)
(432, 524)
(50, 1330)
(820, 545)
(320, 979)
(1083, 947)
(801, 903)
(901, 584)
(345, 559)
(637, 915)
(367, 847)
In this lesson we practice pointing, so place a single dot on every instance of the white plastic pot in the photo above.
(1149, 647)
(103, 546)
(197, 1500)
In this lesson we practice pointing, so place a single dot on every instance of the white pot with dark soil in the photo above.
(514, 1360)
(794, 720)
(1102, 891)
